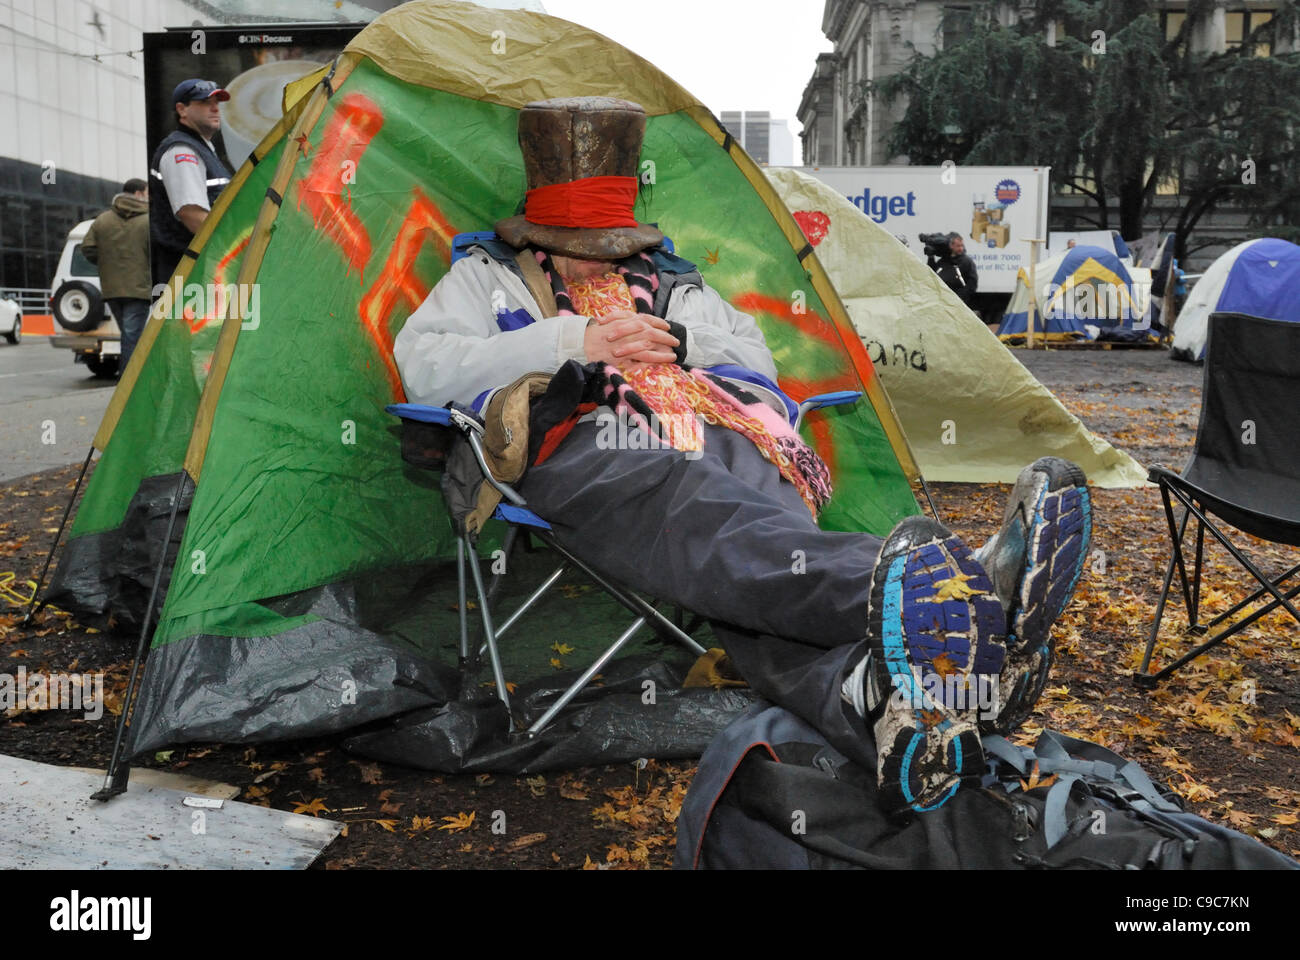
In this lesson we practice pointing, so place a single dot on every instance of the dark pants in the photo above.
(131, 315)
(724, 536)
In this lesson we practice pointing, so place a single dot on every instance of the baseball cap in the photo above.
(196, 89)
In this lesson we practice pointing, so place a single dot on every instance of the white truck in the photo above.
(995, 209)
(89, 329)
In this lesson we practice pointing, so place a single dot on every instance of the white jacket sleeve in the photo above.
(452, 349)
(716, 332)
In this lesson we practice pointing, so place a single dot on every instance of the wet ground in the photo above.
(1225, 734)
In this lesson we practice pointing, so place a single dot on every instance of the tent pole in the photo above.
(925, 488)
(119, 767)
(33, 607)
(1033, 289)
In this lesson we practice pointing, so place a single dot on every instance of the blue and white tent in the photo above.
(1083, 287)
(1259, 277)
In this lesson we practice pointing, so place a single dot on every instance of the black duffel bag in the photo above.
(772, 793)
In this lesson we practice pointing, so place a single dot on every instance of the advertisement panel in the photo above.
(995, 209)
(253, 64)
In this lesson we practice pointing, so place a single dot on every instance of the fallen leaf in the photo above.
(1034, 781)
(315, 808)
(574, 791)
(954, 588)
(527, 840)
(461, 821)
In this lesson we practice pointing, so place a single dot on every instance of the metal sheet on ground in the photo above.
(48, 821)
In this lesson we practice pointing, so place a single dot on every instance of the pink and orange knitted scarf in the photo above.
(670, 401)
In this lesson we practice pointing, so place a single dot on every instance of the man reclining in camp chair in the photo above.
(709, 515)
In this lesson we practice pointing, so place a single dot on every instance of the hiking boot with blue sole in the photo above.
(935, 639)
(1035, 561)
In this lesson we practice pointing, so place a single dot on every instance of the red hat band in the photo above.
(592, 203)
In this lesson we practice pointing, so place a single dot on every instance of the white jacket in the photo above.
(452, 349)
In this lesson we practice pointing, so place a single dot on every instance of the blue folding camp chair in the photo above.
(428, 434)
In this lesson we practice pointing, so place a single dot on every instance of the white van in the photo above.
(91, 333)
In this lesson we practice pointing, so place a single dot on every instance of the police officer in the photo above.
(185, 175)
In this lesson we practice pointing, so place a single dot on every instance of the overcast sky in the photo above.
(732, 54)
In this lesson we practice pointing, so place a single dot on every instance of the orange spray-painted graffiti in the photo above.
(398, 281)
(813, 325)
(220, 301)
(346, 137)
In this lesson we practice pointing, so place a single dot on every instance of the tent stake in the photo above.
(119, 767)
(33, 607)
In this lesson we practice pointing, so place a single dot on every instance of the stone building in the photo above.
(877, 38)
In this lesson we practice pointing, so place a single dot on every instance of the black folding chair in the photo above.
(1245, 471)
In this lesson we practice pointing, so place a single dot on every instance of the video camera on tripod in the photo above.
(937, 244)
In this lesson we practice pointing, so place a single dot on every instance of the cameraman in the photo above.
(953, 267)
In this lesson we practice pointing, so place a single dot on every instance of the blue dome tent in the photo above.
(1260, 278)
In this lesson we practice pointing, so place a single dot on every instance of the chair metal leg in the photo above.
(507, 547)
(628, 599)
(1194, 614)
(1273, 605)
(1150, 681)
(494, 655)
(1176, 536)
(527, 604)
(1142, 678)
(1242, 559)
(1267, 585)
(1176, 531)
(583, 680)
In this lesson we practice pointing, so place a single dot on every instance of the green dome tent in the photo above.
(304, 539)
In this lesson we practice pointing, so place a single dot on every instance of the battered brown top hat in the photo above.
(581, 156)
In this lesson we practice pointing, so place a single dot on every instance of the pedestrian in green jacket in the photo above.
(118, 242)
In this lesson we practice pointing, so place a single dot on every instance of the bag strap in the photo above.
(1002, 748)
(1076, 761)
(535, 280)
(1126, 772)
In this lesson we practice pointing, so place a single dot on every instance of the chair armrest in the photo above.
(428, 433)
(454, 415)
(837, 399)
(420, 413)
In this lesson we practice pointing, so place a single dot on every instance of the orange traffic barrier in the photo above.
(38, 325)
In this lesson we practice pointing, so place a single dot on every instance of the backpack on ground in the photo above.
(772, 793)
